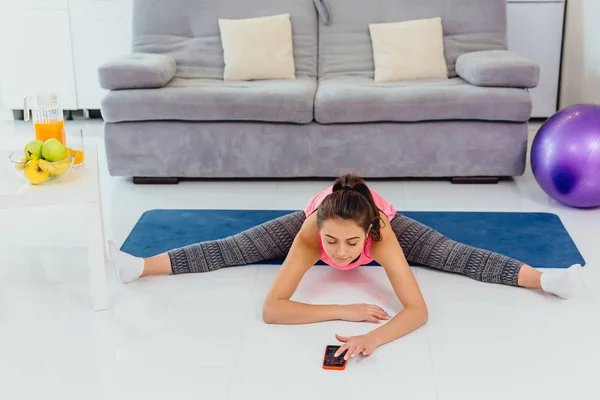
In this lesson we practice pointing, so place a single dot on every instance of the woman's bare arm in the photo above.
(303, 254)
(278, 308)
(390, 256)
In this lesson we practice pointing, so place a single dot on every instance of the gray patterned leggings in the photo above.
(273, 239)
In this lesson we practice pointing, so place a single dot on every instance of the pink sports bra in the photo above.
(365, 257)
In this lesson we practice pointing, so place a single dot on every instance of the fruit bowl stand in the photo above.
(80, 188)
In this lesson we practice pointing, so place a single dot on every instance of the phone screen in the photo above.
(330, 360)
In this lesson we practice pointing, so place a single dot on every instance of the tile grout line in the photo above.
(589, 291)
(241, 339)
(435, 385)
(56, 343)
(37, 369)
(437, 395)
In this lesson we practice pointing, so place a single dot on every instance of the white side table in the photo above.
(81, 188)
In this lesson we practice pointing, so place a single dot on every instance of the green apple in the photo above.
(54, 150)
(33, 149)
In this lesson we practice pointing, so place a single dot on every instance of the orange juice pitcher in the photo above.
(47, 116)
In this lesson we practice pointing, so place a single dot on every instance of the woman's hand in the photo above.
(363, 312)
(355, 345)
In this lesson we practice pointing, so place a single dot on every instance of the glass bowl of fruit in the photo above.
(42, 163)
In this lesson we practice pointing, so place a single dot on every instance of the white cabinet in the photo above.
(535, 31)
(58, 45)
(34, 4)
(36, 47)
(101, 30)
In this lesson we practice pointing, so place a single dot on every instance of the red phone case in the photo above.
(332, 367)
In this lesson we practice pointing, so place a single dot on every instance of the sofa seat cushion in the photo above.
(215, 100)
(359, 99)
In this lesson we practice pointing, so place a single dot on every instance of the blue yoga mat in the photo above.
(537, 239)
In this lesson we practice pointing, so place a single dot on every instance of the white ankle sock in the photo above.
(559, 282)
(129, 268)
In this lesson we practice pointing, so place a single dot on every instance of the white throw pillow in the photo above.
(409, 50)
(258, 48)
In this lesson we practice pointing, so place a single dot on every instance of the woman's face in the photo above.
(343, 240)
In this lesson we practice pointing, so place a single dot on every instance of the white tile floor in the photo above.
(201, 337)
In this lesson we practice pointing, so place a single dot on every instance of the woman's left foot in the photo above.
(559, 282)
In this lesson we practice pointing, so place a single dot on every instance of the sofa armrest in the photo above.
(137, 71)
(500, 68)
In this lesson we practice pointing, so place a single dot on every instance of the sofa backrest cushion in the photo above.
(188, 31)
(345, 44)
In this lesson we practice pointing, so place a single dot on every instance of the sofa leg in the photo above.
(148, 180)
(475, 179)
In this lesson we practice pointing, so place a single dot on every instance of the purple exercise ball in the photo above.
(565, 156)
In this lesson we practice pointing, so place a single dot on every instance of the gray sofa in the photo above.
(169, 114)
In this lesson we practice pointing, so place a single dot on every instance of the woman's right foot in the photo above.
(559, 282)
(129, 268)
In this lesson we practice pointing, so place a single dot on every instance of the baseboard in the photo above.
(475, 179)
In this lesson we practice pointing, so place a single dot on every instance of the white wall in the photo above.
(5, 115)
(581, 59)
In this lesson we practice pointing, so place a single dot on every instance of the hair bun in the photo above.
(360, 208)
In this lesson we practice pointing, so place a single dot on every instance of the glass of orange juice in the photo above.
(74, 138)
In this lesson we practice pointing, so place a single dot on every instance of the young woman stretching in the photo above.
(346, 225)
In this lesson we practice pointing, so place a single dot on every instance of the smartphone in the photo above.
(330, 361)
